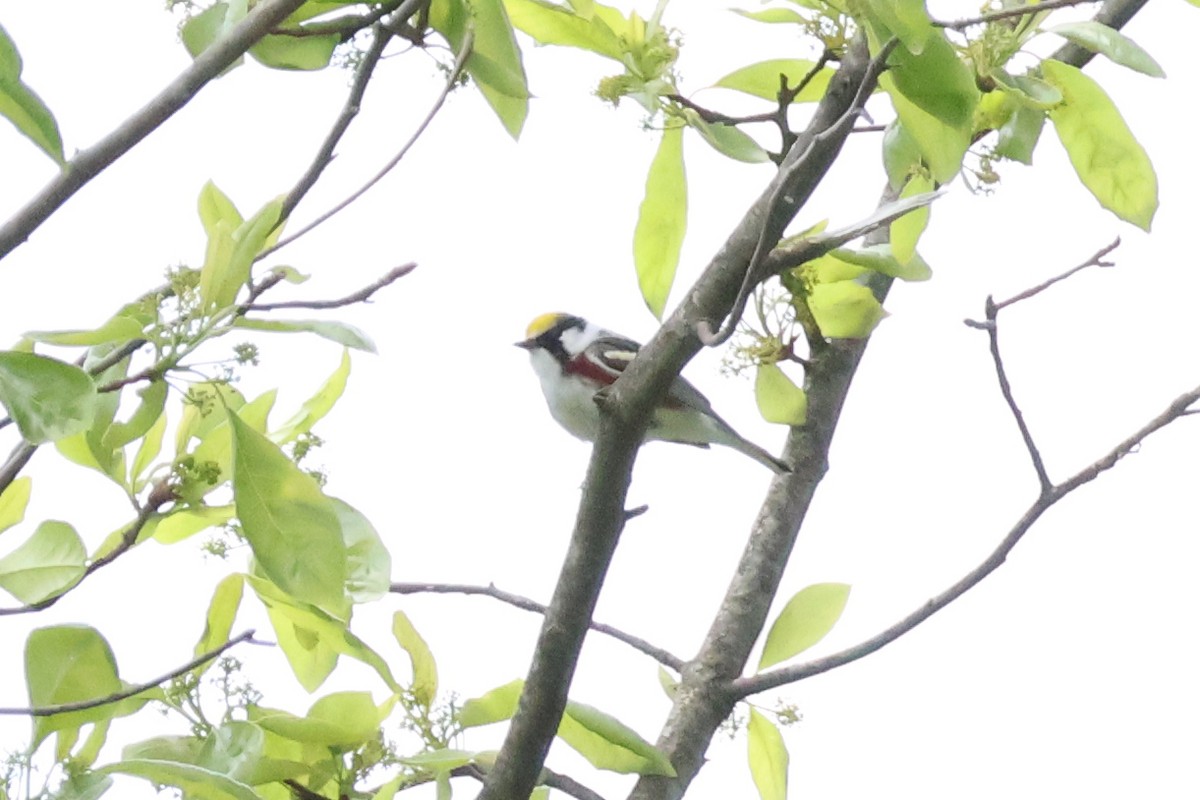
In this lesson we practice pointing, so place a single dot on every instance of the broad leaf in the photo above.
(662, 221)
(1111, 43)
(906, 231)
(368, 562)
(69, 664)
(195, 782)
(295, 52)
(845, 310)
(607, 743)
(764, 79)
(768, 757)
(779, 400)
(316, 406)
(808, 616)
(907, 20)
(47, 398)
(901, 155)
(51, 561)
(1106, 156)
(343, 720)
(772, 16)
(1018, 136)
(214, 207)
(120, 329)
(185, 522)
(13, 501)
(218, 622)
(290, 524)
(339, 332)
(942, 145)
(548, 23)
(937, 81)
(424, 668)
(148, 412)
(22, 107)
(439, 760)
(494, 706)
(728, 140)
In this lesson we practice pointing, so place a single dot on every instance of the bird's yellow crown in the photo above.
(542, 323)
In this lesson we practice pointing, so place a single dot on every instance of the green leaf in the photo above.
(22, 107)
(234, 749)
(216, 446)
(149, 411)
(214, 207)
(317, 406)
(185, 522)
(906, 231)
(1110, 43)
(13, 501)
(442, 760)
(199, 32)
(1018, 136)
(1031, 91)
(494, 706)
(937, 82)
(147, 451)
(47, 564)
(808, 616)
(424, 668)
(609, 744)
(845, 310)
(548, 23)
(69, 664)
(768, 757)
(369, 564)
(196, 783)
(727, 140)
(942, 146)
(668, 682)
(762, 79)
(218, 622)
(779, 400)
(339, 332)
(48, 399)
(879, 258)
(1104, 152)
(495, 59)
(342, 720)
(295, 52)
(231, 253)
(772, 16)
(290, 524)
(662, 221)
(901, 156)
(312, 639)
(120, 329)
(907, 20)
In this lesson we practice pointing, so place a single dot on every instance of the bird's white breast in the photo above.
(570, 399)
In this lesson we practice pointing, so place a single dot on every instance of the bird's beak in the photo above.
(528, 344)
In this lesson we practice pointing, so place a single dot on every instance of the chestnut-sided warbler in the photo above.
(574, 359)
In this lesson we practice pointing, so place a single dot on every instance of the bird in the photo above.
(574, 358)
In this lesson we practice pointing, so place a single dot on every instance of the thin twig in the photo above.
(555, 780)
(834, 133)
(128, 539)
(361, 296)
(87, 164)
(525, 604)
(1096, 260)
(345, 26)
(1009, 13)
(1179, 407)
(451, 81)
(130, 691)
(324, 156)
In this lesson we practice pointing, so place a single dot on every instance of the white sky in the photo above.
(1071, 672)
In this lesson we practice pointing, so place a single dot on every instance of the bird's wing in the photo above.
(606, 358)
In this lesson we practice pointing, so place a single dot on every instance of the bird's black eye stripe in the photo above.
(551, 338)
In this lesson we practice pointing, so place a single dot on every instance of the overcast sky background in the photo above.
(1071, 672)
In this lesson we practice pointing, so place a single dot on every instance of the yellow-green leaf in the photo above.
(845, 310)
(937, 81)
(47, 398)
(48, 563)
(662, 221)
(763, 79)
(1110, 43)
(808, 616)
(218, 622)
(424, 668)
(1106, 156)
(21, 106)
(13, 501)
(496, 705)
(779, 400)
(906, 231)
(768, 757)
(610, 744)
(942, 145)
(548, 23)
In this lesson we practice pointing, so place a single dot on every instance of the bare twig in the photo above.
(1095, 260)
(451, 81)
(1179, 407)
(555, 780)
(324, 156)
(1009, 13)
(524, 603)
(130, 691)
(834, 135)
(87, 164)
(15, 463)
(361, 296)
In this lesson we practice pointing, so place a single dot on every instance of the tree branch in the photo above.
(451, 81)
(1009, 13)
(87, 164)
(361, 296)
(524, 603)
(1179, 407)
(130, 691)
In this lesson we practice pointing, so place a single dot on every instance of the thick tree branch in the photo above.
(130, 691)
(1179, 407)
(524, 603)
(624, 415)
(87, 164)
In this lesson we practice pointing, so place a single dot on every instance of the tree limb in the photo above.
(1179, 407)
(361, 296)
(524, 603)
(1010, 13)
(130, 691)
(87, 164)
